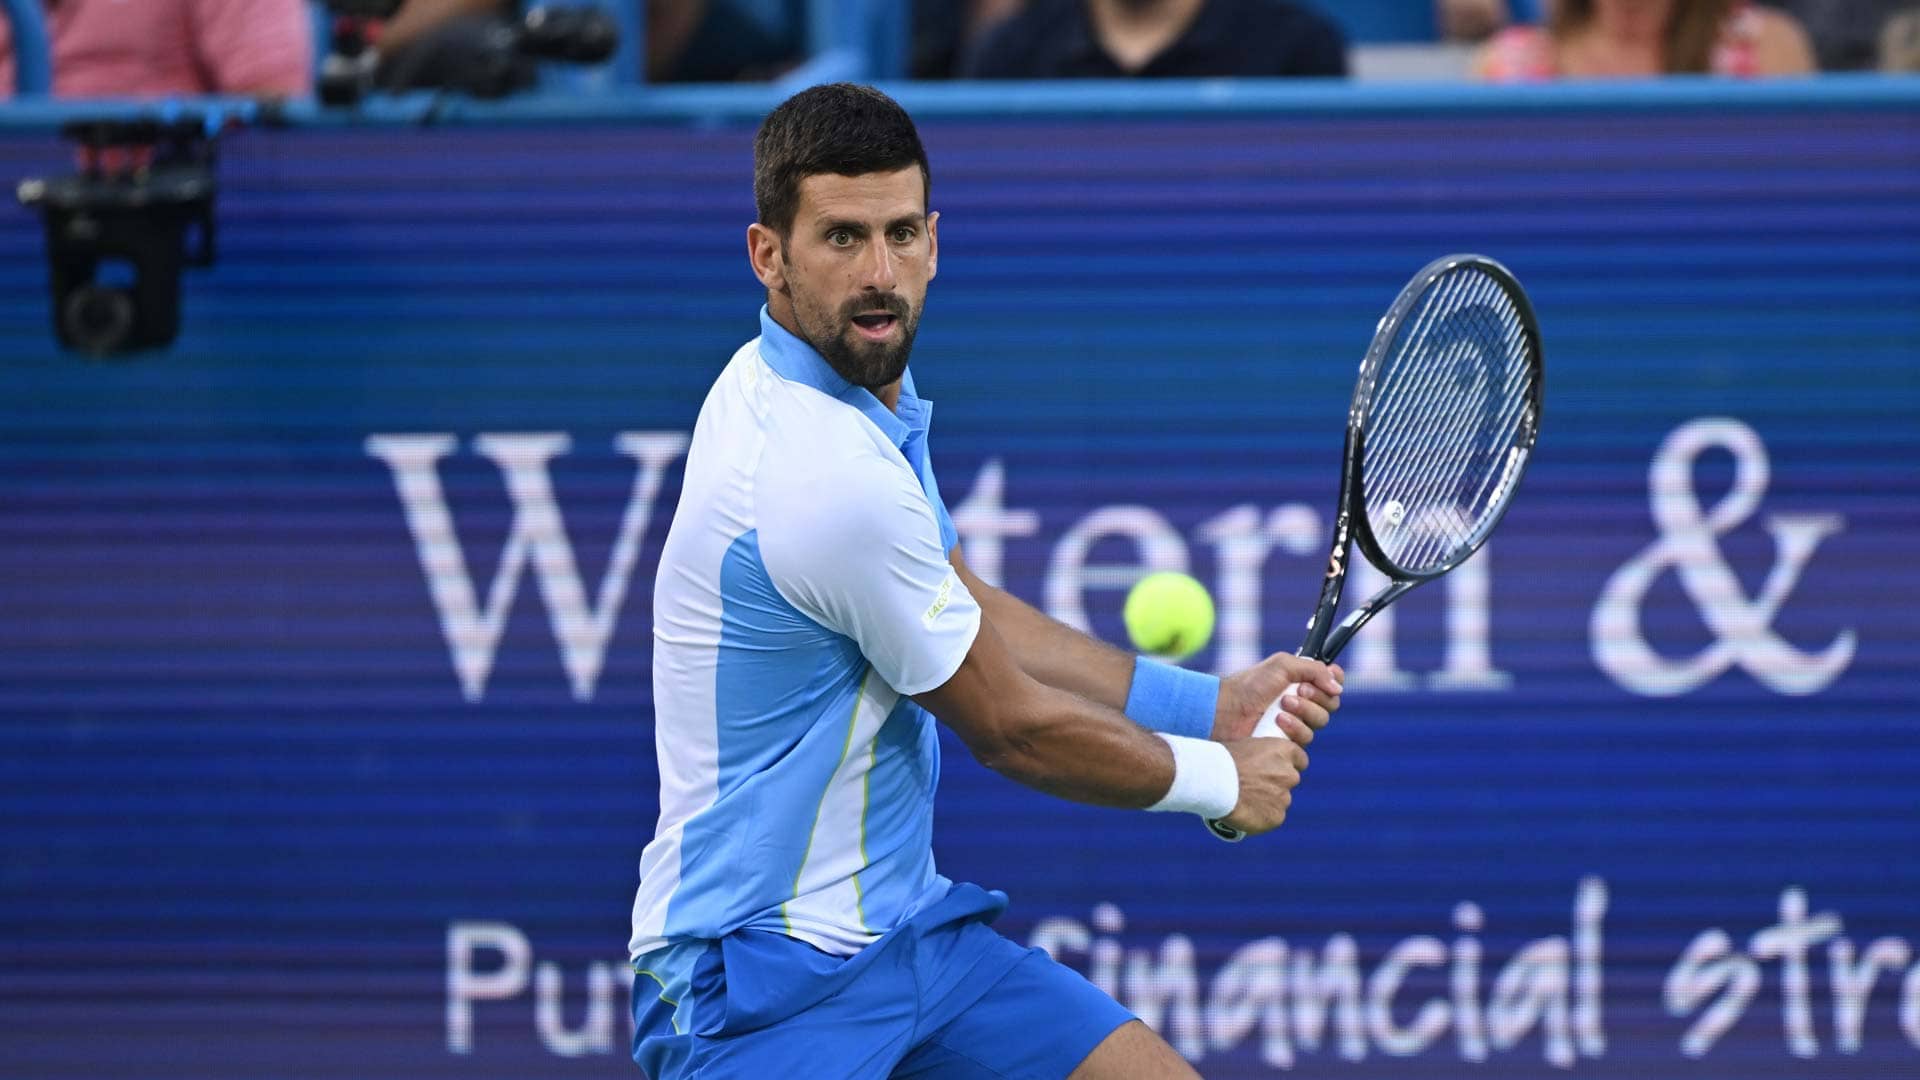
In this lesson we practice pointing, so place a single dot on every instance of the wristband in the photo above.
(1205, 779)
(1172, 700)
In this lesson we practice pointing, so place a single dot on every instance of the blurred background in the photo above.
(354, 348)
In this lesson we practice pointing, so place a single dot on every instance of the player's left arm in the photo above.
(1053, 653)
(1049, 650)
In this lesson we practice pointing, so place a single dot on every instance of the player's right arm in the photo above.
(848, 538)
(1065, 745)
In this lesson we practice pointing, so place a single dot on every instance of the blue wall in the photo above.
(252, 819)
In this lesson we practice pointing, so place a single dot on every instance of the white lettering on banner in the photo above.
(1547, 986)
(1711, 970)
(984, 523)
(1743, 627)
(606, 994)
(465, 985)
(1853, 984)
(1165, 994)
(1241, 540)
(1242, 537)
(537, 535)
(1467, 665)
(1710, 967)
(1429, 1021)
(1298, 1001)
(1069, 575)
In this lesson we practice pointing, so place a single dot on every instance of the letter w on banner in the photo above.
(537, 535)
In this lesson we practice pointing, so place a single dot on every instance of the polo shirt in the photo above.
(803, 596)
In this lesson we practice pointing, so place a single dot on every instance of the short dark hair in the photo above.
(839, 128)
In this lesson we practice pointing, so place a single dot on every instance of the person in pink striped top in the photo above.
(1586, 39)
(166, 48)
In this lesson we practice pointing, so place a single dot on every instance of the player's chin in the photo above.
(880, 363)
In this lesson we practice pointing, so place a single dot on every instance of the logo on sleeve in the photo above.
(939, 602)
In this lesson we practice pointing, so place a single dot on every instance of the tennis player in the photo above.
(812, 617)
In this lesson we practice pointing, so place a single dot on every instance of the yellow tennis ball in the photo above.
(1169, 614)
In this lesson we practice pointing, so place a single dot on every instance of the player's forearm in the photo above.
(1045, 737)
(1056, 654)
(1159, 697)
(1076, 749)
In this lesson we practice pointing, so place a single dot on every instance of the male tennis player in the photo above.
(812, 616)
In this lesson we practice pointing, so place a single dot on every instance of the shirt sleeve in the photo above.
(255, 46)
(857, 548)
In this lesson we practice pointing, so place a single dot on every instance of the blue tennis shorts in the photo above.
(941, 997)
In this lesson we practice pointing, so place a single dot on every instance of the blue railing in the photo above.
(32, 56)
(734, 103)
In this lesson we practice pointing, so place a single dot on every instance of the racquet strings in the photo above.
(1448, 422)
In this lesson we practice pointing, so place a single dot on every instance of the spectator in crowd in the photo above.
(945, 31)
(165, 48)
(435, 43)
(1471, 20)
(723, 40)
(1105, 39)
(1478, 20)
(1900, 42)
(427, 42)
(1846, 33)
(1626, 38)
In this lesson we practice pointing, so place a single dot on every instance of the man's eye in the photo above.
(903, 235)
(840, 238)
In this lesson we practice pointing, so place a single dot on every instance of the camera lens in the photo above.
(97, 320)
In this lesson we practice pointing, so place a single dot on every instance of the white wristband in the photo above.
(1205, 780)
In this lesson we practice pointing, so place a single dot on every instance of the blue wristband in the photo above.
(1172, 700)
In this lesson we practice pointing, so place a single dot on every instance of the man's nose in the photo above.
(877, 269)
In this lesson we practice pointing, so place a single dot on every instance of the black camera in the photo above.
(119, 231)
(483, 56)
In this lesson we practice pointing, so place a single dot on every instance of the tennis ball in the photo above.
(1169, 614)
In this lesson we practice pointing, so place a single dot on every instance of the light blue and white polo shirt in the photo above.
(804, 593)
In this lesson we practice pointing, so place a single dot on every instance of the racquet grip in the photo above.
(1267, 727)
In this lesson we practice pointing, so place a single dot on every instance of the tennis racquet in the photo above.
(1442, 424)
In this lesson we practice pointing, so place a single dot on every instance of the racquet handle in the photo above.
(1267, 727)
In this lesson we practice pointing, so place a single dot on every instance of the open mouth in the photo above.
(875, 325)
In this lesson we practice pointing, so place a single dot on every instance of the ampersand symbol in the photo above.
(1688, 545)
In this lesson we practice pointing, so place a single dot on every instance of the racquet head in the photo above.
(1444, 417)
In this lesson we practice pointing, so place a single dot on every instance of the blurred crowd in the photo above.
(268, 47)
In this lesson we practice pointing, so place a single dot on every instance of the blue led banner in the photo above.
(324, 634)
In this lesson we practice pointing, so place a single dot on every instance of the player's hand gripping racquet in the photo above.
(1442, 423)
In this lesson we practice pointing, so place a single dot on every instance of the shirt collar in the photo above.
(796, 361)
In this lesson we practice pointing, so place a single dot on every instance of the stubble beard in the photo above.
(868, 364)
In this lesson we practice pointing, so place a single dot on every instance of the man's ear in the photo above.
(933, 244)
(763, 252)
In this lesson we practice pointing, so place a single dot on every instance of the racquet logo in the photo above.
(1336, 563)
